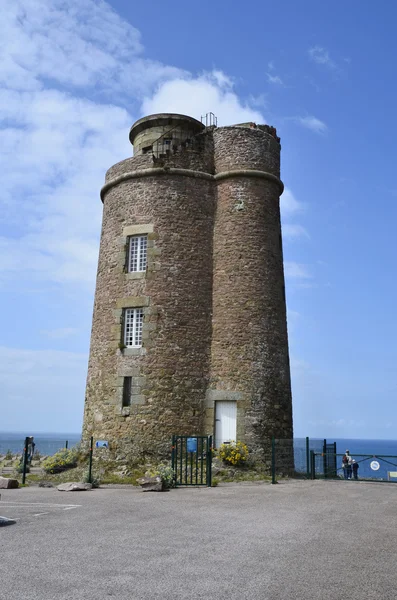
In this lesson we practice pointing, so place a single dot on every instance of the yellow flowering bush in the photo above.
(60, 461)
(235, 453)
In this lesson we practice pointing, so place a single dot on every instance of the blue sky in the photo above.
(73, 78)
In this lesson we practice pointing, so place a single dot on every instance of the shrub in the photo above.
(8, 455)
(60, 461)
(19, 468)
(94, 480)
(166, 473)
(82, 452)
(167, 476)
(234, 453)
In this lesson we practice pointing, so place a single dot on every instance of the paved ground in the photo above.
(297, 540)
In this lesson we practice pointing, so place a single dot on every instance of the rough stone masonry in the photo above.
(209, 311)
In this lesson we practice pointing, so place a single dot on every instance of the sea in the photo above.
(46, 443)
(369, 454)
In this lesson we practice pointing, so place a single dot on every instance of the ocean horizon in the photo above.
(13, 440)
(47, 443)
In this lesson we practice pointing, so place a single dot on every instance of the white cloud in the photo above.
(312, 123)
(294, 231)
(276, 79)
(196, 96)
(290, 208)
(55, 163)
(289, 205)
(222, 80)
(321, 56)
(259, 101)
(59, 334)
(56, 144)
(78, 44)
(295, 270)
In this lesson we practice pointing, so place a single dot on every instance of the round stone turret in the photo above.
(159, 133)
(249, 349)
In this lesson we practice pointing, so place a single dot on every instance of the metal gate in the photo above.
(192, 459)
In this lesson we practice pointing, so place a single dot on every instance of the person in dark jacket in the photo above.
(355, 467)
(347, 465)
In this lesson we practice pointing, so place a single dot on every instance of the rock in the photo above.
(7, 483)
(46, 484)
(4, 521)
(74, 487)
(151, 484)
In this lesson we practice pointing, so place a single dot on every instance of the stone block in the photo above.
(74, 487)
(133, 351)
(138, 399)
(221, 395)
(138, 381)
(6, 483)
(132, 302)
(137, 229)
(151, 484)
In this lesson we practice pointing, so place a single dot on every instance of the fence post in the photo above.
(209, 461)
(90, 460)
(308, 457)
(313, 464)
(66, 444)
(273, 461)
(25, 460)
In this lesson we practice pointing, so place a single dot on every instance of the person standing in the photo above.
(348, 465)
(345, 462)
(355, 467)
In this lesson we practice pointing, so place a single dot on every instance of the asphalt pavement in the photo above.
(295, 540)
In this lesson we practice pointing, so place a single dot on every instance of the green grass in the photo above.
(79, 473)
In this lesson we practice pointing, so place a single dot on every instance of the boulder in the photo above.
(151, 484)
(4, 521)
(74, 487)
(7, 483)
(46, 484)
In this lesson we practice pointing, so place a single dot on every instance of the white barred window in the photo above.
(137, 253)
(133, 320)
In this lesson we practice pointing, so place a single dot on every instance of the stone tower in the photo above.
(189, 330)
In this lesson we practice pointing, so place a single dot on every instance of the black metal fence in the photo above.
(364, 467)
(292, 457)
(304, 458)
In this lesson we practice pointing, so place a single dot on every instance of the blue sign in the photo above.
(191, 444)
(101, 444)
